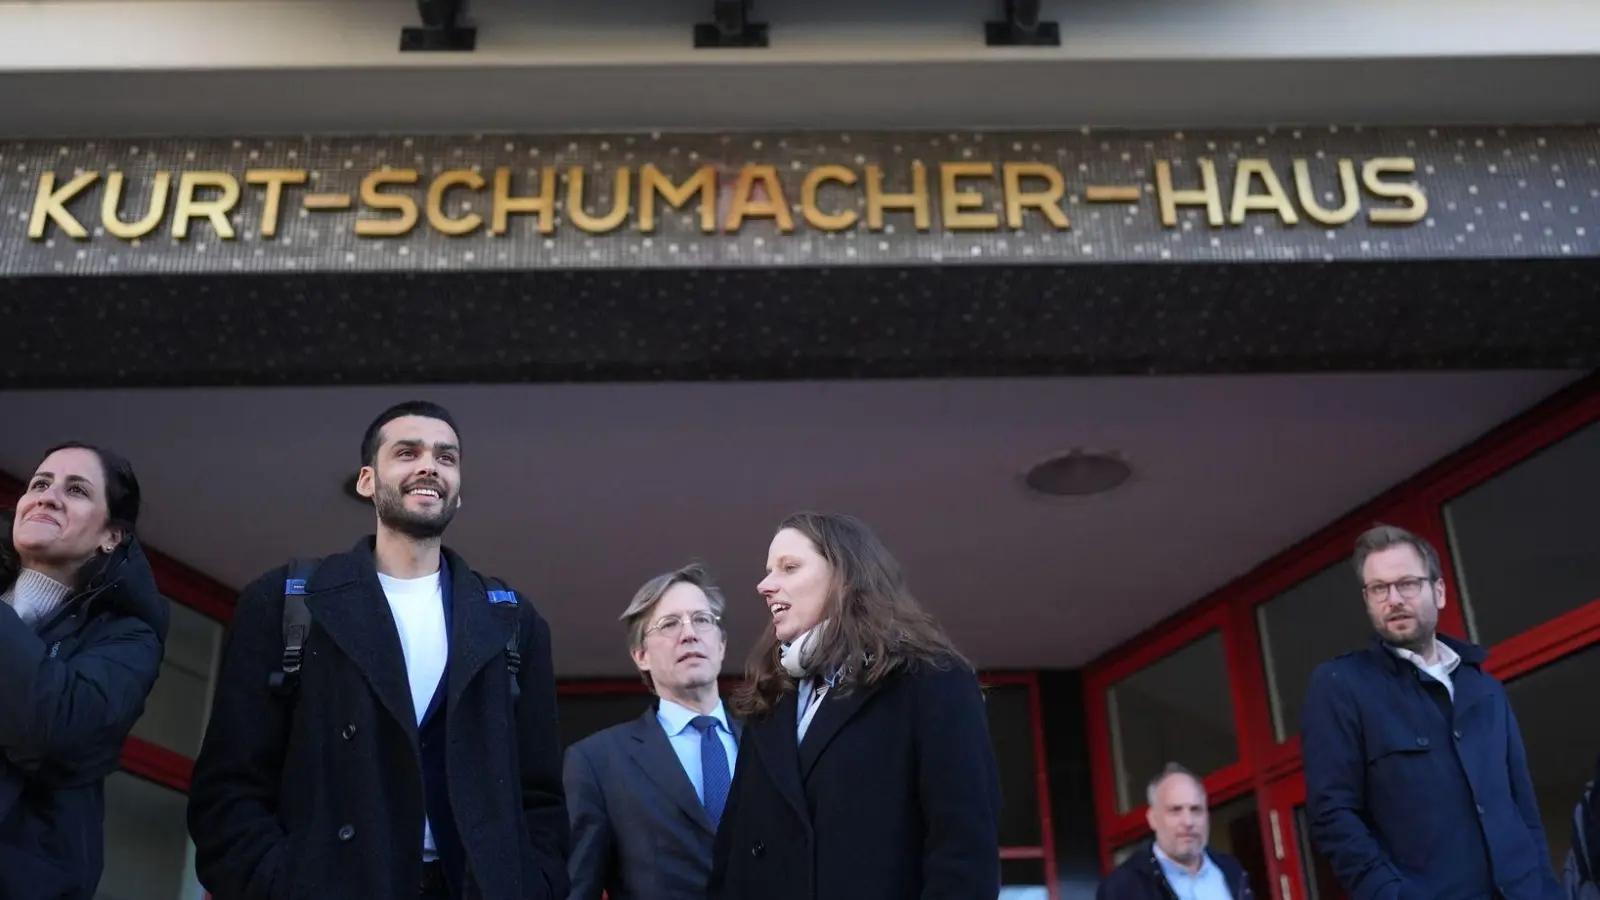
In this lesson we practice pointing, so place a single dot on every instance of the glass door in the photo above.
(1303, 873)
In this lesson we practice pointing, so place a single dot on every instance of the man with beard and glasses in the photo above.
(1417, 784)
(384, 724)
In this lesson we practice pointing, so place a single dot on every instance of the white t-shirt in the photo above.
(418, 608)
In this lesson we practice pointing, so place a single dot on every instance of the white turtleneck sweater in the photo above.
(35, 596)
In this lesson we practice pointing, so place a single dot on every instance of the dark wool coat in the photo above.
(321, 796)
(893, 795)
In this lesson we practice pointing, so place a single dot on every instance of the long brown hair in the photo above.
(876, 627)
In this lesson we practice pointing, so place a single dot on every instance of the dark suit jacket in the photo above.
(1413, 797)
(893, 795)
(321, 795)
(638, 828)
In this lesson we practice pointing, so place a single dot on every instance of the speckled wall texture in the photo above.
(801, 199)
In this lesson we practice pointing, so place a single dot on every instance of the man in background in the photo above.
(1177, 862)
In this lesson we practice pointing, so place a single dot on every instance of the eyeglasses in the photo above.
(1409, 588)
(671, 627)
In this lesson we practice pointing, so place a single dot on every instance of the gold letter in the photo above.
(774, 207)
(1274, 200)
(215, 209)
(113, 199)
(445, 224)
(505, 205)
(1371, 176)
(52, 204)
(813, 215)
(1315, 211)
(651, 182)
(619, 202)
(953, 201)
(916, 201)
(1208, 195)
(1047, 201)
(373, 198)
(274, 180)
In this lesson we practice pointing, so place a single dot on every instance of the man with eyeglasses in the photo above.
(1417, 784)
(645, 796)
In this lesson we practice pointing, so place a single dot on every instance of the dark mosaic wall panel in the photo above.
(844, 322)
(1490, 193)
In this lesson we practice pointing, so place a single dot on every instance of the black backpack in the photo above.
(297, 626)
(1577, 876)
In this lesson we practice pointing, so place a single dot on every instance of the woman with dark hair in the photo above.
(866, 769)
(82, 631)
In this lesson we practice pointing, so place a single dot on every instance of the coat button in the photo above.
(757, 849)
(1422, 742)
(346, 833)
(348, 732)
(1480, 810)
(1458, 735)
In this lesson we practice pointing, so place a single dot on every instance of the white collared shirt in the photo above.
(1442, 671)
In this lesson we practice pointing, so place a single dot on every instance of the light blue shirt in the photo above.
(1206, 884)
(685, 740)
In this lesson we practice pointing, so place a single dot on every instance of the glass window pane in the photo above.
(1322, 883)
(1315, 620)
(176, 710)
(1523, 542)
(1236, 830)
(148, 854)
(1179, 709)
(1010, 711)
(1023, 879)
(1561, 745)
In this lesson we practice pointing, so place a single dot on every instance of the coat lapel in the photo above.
(653, 752)
(774, 740)
(347, 602)
(477, 632)
(830, 717)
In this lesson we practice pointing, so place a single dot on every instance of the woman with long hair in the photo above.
(82, 632)
(866, 769)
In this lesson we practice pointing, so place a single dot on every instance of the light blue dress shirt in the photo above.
(1206, 884)
(685, 740)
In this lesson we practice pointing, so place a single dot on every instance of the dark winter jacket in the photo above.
(1140, 878)
(69, 694)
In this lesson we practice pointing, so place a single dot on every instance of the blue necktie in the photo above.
(713, 767)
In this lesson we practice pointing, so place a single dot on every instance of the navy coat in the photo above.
(321, 795)
(72, 692)
(1413, 797)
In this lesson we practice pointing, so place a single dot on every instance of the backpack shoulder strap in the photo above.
(506, 601)
(296, 625)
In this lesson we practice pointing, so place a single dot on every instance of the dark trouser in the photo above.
(434, 886)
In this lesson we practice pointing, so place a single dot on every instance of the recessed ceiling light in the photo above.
(1077, 473)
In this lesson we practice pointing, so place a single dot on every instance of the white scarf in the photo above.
(795, 655)
(35, 596)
